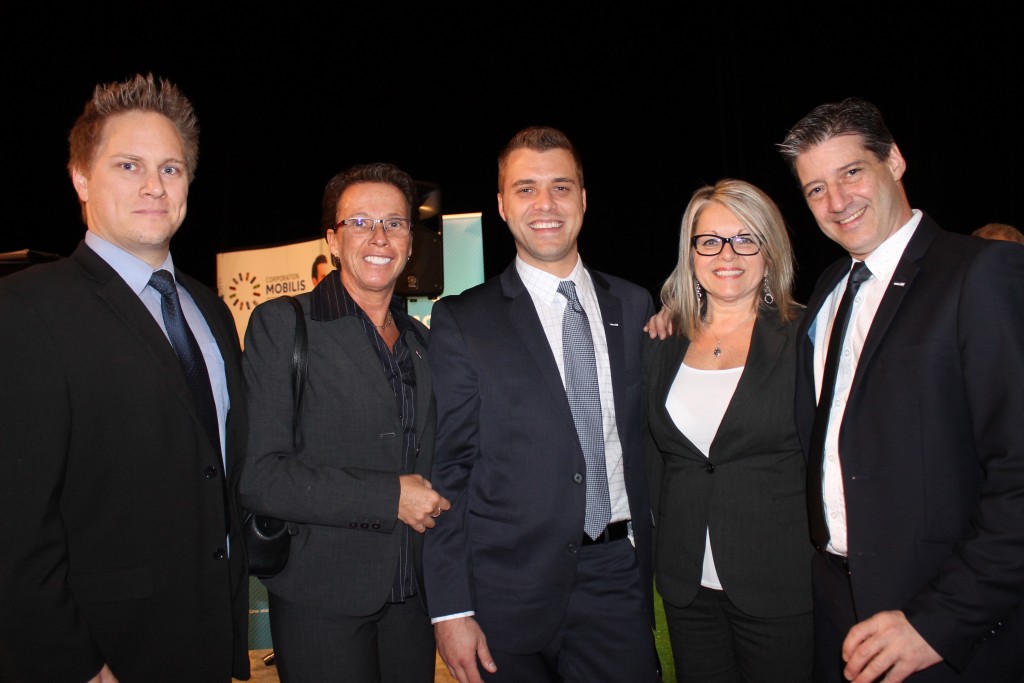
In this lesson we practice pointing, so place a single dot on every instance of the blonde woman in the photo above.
(732, 560)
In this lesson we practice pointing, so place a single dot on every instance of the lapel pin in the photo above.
(899, 284)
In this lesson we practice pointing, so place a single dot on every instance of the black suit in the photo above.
(933, 451)
(111, 507)
(509, 459)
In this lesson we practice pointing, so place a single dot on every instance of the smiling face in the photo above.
(857, 199)
(370, 264)
(135, 189)
(727, 278)
(543, 203)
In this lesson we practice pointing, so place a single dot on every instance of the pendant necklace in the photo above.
(387, 322)
(718, 340)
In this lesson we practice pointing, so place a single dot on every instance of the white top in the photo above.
(697, 402)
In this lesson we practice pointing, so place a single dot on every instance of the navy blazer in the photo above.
(509, 458)
(933, 451)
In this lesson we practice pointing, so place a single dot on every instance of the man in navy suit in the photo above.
(918, 475)
(513, 581)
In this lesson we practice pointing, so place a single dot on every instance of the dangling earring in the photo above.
(697, 285)
(768, 298)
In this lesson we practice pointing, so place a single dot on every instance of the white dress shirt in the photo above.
(543, 289)
(882, 263)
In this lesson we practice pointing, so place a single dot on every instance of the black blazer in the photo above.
(933, 450)
(509, 458)
(750, 492)
(110, 507)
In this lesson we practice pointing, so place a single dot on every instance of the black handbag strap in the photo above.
(298, 359)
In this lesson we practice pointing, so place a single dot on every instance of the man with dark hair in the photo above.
(542, 570)
(121, 409)
(320, 269)
(909, 412)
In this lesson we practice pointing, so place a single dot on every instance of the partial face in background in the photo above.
(322, 269)
(856, 198)
(136, 187)
(370, 263)
(543, 204)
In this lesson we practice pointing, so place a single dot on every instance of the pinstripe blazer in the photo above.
(749, 492)
(338, 482)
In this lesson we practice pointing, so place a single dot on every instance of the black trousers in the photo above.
(393, 645)
(834, 616)
(713, 641)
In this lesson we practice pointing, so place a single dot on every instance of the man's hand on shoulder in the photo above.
(460, 642)
(886, 644)
(660, 325)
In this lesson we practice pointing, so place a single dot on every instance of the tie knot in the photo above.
(567, 288)
(163, 282)
(860, 272)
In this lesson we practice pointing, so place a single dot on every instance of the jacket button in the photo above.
(573, 548)
(219, 554)
(210, 472)
(709, 468)
(578, 478)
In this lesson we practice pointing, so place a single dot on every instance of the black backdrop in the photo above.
(659, 103)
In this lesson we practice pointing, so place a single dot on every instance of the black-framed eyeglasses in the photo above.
(712, 245)
(396, 227)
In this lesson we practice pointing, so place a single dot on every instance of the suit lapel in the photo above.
(900, 284)
(522, 314)
(766, 346)
(670, 438)
(137, 320)
(611, 321)
(356, 356)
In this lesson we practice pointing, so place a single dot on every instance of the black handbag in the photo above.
(268, 540)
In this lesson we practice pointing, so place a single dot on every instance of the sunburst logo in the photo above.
(243, 292)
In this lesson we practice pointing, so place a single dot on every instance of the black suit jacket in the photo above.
(750, 492)
(509, 459)
(111, 509)
(933, 451)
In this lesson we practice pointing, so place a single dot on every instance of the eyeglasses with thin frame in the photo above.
(712, 245)
(395, 227)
